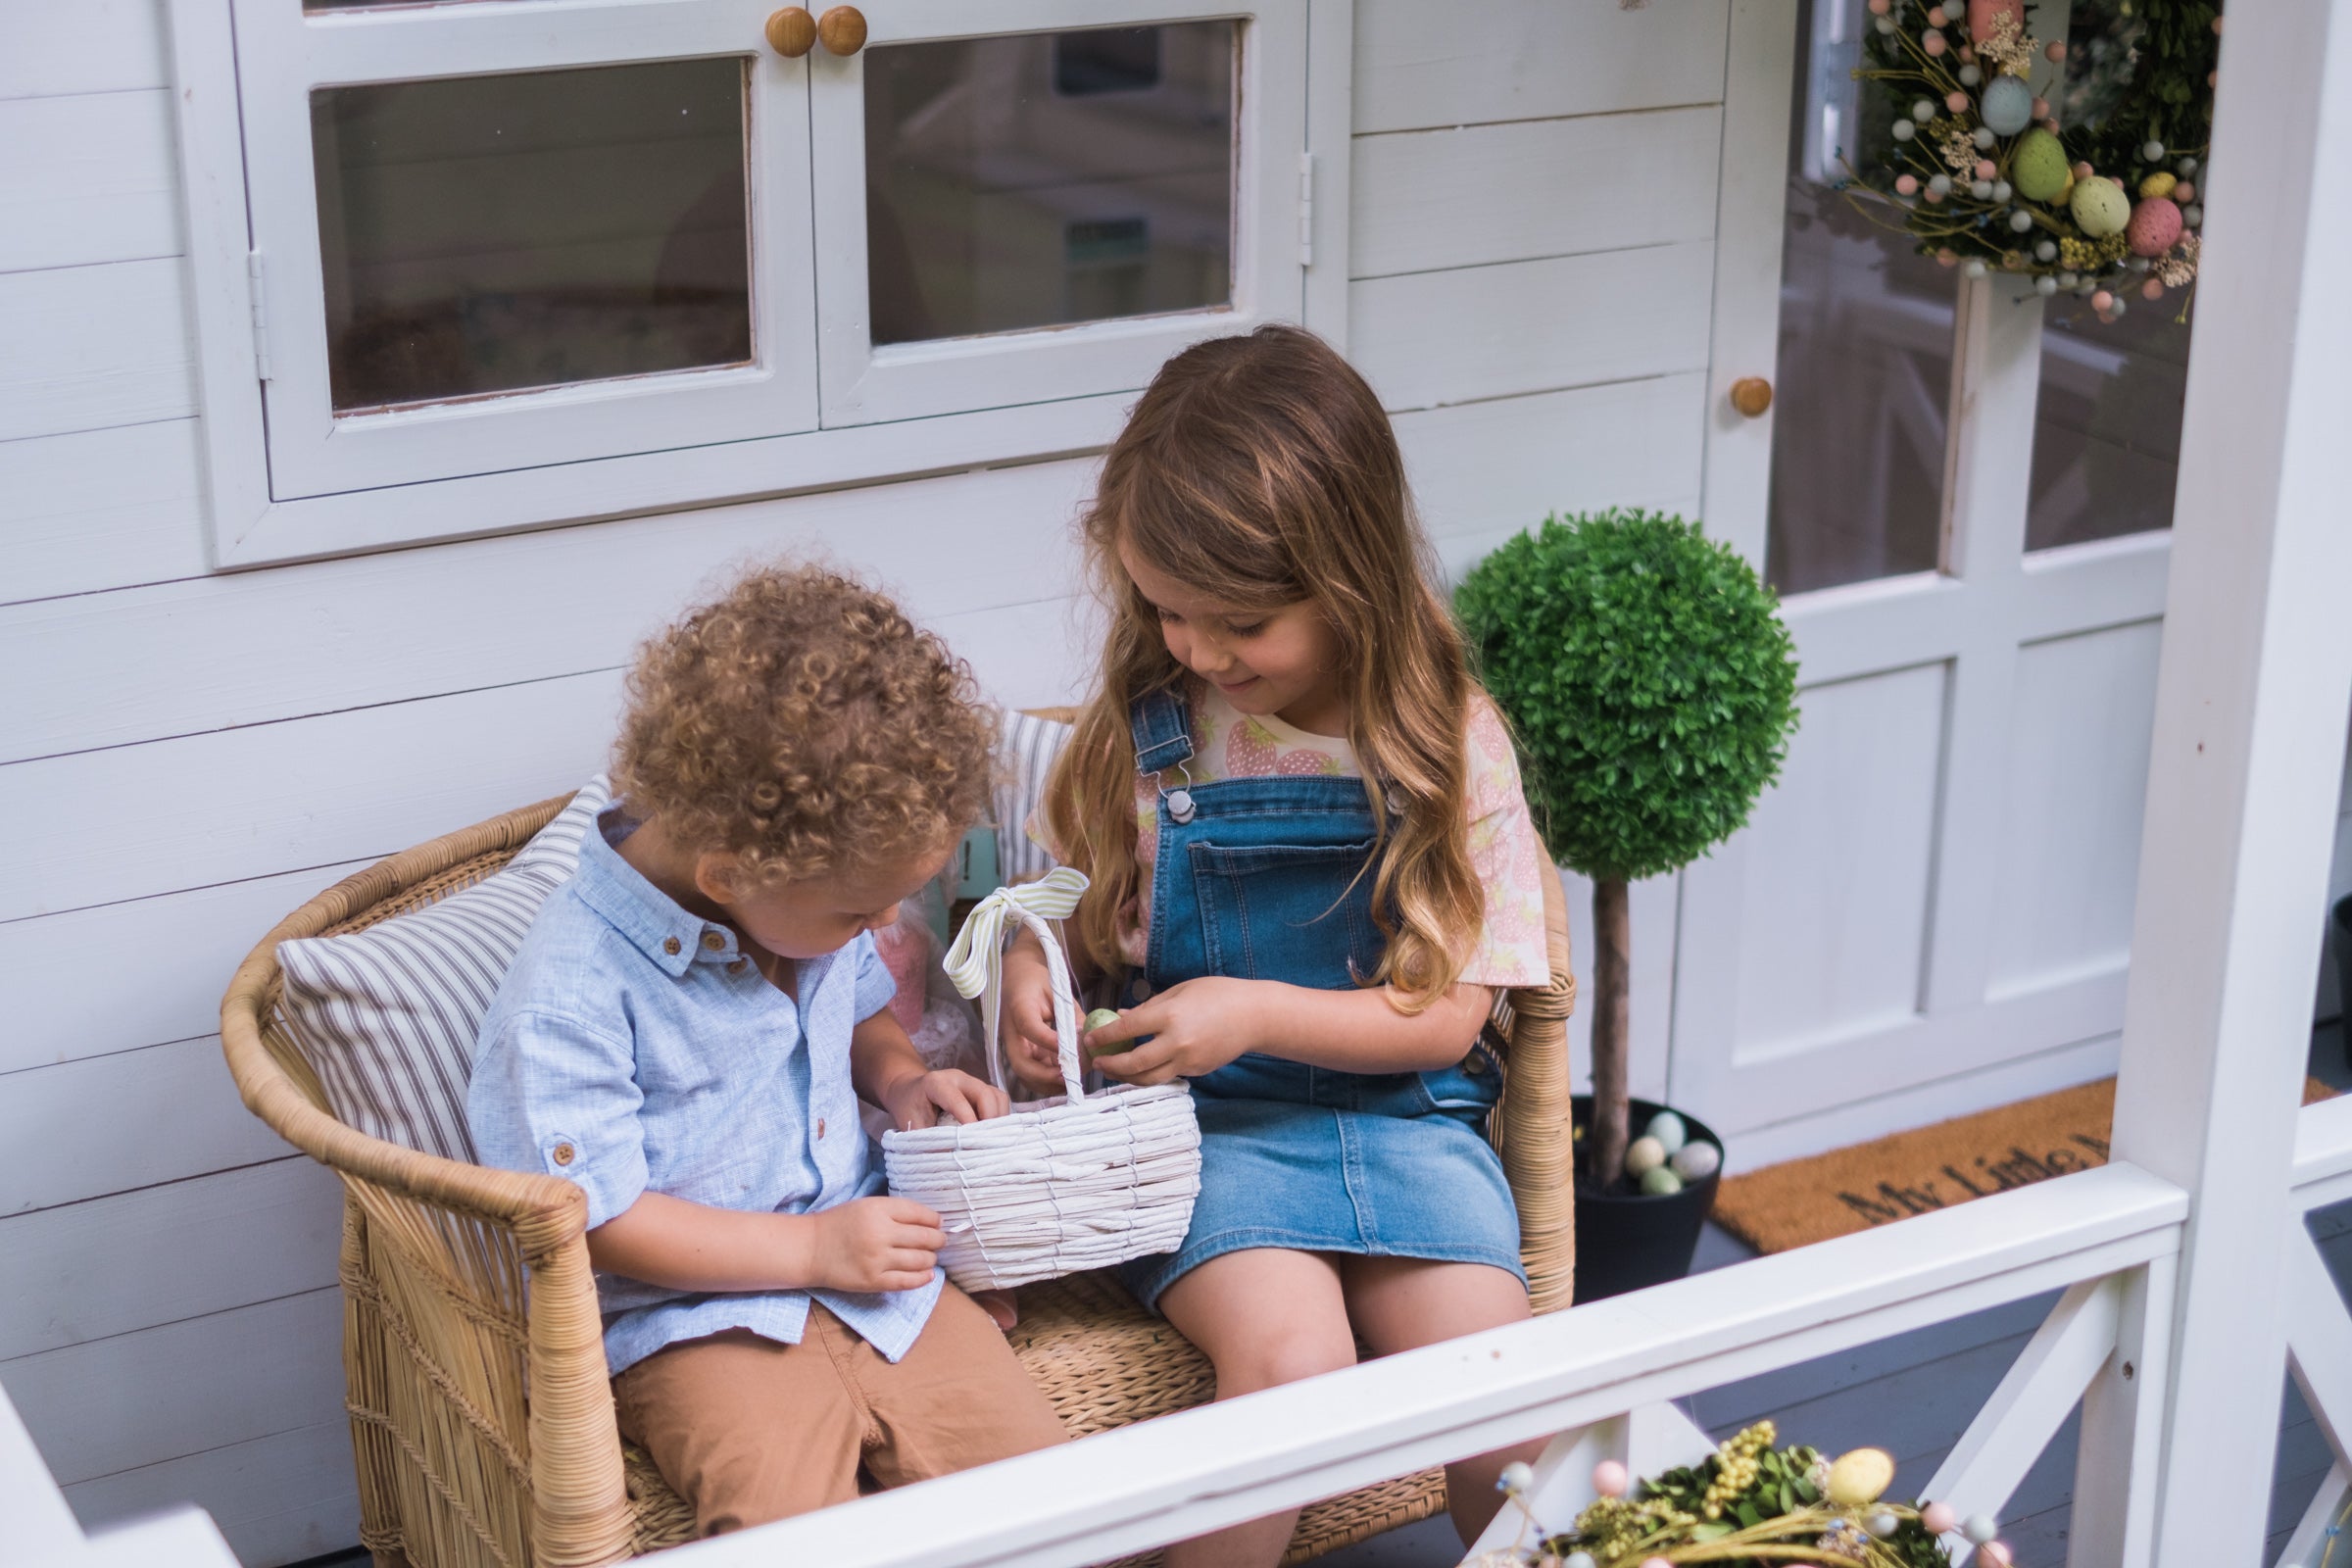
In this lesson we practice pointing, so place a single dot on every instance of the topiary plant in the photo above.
(1652, 687)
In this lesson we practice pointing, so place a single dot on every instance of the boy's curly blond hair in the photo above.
(803, 724)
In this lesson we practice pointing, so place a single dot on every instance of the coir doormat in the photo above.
(1917, 1172)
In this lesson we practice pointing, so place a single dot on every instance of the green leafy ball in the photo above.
(1652, 683)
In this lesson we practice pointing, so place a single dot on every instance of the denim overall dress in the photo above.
(1258, 879)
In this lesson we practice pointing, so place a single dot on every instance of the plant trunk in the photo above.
(1612, 932)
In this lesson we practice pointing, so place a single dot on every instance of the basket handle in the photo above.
(975, 961)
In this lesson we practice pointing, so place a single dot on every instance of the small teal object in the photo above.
(1668, 1129)
(1979, 1527)
(2007, 106)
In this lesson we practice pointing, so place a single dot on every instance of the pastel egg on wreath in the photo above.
(2002, 191)
(2155, 228)
(1980, 189)
(1934, 43)
(2103, 302)
(2100, 208)
(1904, 130)
(1956, 101)
(2192, 216)
(1983, 13)
(2046, 286)
(2185, 167)
(1860, 1477)
(1924, 111)
(2152, 151)
(1985, 169)
(2007, 106)
(1660, 1181)
(1643, 1156)
(2020, 222)
(2152, 289)
(1669, 1130)
(1979, 1527)
(2184, 192)
(1697, 1160)
(2045, 250)
(1983, 137)
(2037, 164)
(1938, 1518)
(1883, 1525)
(1941, 185)
(2159, 183)
(1969, 74)
(1610, 1479)
(2055, 52)
(1906, 184)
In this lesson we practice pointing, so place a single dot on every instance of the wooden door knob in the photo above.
(1751, 395)
(842, 29)
(791, 32)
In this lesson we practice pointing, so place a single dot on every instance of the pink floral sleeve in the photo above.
(1509, 860)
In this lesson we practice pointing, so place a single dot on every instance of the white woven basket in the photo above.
(1077, 1182)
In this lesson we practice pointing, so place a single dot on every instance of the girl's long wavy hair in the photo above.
(1260, 472)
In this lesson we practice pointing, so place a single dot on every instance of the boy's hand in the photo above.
(876, 1243)
(917, 1100)
(1025, 1025)
(1197, 1027)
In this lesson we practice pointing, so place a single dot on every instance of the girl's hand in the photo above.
(1025, 1023)
(1197, 1027)
(874, 1244)
(917, 1100)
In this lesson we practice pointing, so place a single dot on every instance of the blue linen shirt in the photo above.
(634, 1048)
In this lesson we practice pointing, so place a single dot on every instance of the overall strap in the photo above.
(1161, 723)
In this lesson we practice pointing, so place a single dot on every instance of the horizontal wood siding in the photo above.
(1532, 207)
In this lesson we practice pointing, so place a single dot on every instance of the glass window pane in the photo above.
(2107, 432)
(1043, 178)
(1865, 347)
(489, 233)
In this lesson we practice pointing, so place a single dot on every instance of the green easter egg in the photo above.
(2037, 167)
(2100, 208)
(1661, 1180)
(1096, 1020)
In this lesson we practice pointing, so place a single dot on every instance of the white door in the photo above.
(1962, 500)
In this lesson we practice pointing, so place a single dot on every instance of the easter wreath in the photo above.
(1986, 177)
(1748, 1506)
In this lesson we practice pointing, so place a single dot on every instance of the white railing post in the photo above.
(2250, 708)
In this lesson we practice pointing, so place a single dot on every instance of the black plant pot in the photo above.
(2343, 969)
(1628, 1241)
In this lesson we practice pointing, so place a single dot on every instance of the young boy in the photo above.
(688, 1029)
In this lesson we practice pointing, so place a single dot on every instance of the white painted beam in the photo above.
(2242, 788)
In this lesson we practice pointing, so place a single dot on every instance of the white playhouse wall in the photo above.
(190, 756)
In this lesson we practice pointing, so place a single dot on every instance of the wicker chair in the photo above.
(480, 1414)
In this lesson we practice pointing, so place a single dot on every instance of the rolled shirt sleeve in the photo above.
(552, 1095)
(875, 987)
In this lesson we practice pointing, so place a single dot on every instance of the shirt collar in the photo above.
(654, 922)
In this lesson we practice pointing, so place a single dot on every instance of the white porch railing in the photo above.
(1597, 1375)
(2319, 1329)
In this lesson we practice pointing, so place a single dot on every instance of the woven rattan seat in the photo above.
(481, 1417)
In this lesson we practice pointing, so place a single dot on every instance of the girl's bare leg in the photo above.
(1401, 1304)
(1264, 1318)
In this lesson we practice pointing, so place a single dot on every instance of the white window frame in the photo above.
(1290, 209)
(284, 56)
(864, 385)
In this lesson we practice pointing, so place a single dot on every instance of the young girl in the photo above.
(1310, 852)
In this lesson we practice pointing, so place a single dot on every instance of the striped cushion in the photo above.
(387, 1016)
(1031, 744)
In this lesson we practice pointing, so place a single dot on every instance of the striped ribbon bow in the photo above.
(975, 961)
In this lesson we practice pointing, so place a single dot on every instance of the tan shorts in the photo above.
(748, 1430)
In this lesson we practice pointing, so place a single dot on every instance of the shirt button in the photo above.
(563, 1153)
(737, 967)
(669, 945)
(713, 941)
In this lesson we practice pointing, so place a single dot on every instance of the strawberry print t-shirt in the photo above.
(1506, 855)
